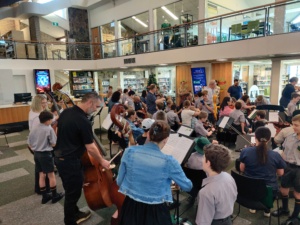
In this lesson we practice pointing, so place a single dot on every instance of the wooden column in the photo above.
(183, 73)
(222, 72)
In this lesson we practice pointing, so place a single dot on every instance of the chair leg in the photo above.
(6, 140)
(278, 217)
(237, 213)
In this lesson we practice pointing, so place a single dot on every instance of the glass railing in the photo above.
(256, 22)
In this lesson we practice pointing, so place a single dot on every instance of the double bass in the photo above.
(100, 189)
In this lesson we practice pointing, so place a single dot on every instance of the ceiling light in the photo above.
(139, 21)
(170, 13)
(221, 60)
(123, 67)
(162, 64)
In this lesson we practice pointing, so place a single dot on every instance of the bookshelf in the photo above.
(81, 82)
(138, 85)
(263, 79)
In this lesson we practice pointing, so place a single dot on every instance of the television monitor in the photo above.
(42, 81)
(22, 97)
(198, 79)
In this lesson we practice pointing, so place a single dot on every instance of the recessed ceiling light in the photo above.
(221, 60)
(163, 64)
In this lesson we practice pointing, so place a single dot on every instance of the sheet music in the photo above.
(107, 122)
(187, 131)
(273, 117)
(272, 129)
(224, 122)
(177, 146)
(252, 140)
(252, 114)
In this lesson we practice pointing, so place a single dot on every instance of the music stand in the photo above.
(184, 130)
(99, 114)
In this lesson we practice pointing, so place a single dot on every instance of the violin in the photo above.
(281, 125)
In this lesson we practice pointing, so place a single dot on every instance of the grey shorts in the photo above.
(291, 177)
(44, 162)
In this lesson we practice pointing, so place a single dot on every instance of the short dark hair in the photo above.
(218, 156)
(199, 94)
(91, 95)
(235, 80)
(54, 109)
(45, 116)
(129, 113)
(295, 95)
(125, 90)
(159, 131)
(261, 114)
(160, 115)
(115, 96)
(152, 86)
(160, 105)
(245, 97)
(109, 87)
(238, 105)
(173, 107)
(131, 93)
(293, 79)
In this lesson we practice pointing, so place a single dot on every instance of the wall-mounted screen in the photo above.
(42, 81)
(198, 78)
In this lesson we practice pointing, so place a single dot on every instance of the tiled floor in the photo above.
(20, 205)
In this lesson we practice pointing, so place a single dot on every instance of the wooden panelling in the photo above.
(183, 73)
(14, 114)
(96, 39)
(222, 72)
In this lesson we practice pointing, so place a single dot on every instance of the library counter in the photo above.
(14, 113)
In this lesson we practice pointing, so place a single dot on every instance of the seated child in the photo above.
(169, 104)
(160, 107)
(146, 124)
(173, 119)
(41, 140)
(239, 119)
(199, 127)
(207, 106)
(219, 192)
(259, 120)
(292, 106)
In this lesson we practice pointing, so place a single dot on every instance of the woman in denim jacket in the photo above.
(145, 177)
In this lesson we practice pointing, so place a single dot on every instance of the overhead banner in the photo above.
(198, 79)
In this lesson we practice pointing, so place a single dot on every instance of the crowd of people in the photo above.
(146, 174)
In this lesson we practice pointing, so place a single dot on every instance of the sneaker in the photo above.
(252, 211)
(291, 221)
(280, 212)
(267, 214)
(83, 216)
(46, 198)
(57, 197)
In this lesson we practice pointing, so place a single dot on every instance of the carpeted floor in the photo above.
(20, 205)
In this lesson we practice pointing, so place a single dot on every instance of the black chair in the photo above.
(271, 108)
(253, 194)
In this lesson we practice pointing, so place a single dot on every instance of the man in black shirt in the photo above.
(74, 137)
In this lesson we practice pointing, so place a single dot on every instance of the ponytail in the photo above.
(263, 135)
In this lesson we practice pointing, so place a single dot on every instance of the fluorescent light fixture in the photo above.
(163, 64)
(170, 13)
(221, 60)
(296, 20)
(139, 21)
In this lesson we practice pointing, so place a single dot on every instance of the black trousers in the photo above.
(70, 171)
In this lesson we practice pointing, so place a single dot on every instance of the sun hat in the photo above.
(201, 142)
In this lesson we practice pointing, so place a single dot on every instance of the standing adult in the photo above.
(151, 100)
(115, 99)
(74, 137)
(210, 89)
(235, 90)
(147, 191)
(183, 92)
(287, 92)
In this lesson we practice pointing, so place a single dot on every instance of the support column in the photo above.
(279, 19)
(117, 36)
(152, 26)
(79, 32)
(275, 82)
(35, 34)
(201, 27)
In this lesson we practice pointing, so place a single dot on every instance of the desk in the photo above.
(262, 30)
(14, 113)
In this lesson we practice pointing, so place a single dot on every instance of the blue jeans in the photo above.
(71, 174)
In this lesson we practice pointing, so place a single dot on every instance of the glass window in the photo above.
(108, 34)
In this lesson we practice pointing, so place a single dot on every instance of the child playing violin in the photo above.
(199, 126)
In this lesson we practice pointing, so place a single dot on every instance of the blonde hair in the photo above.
(36, 104)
